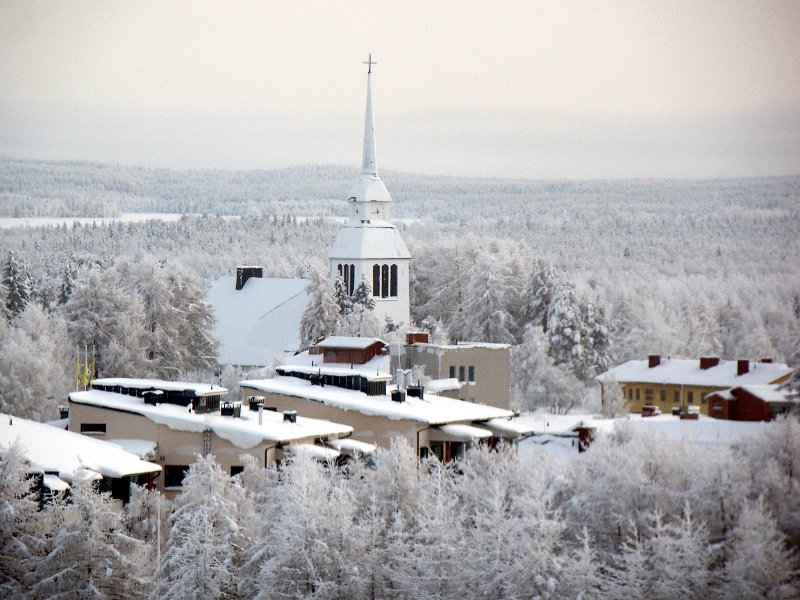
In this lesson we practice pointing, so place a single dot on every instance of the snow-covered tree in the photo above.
(36, 366)
(90, 555)
(614, 403)
(343, 299)
(436, 330)
(565, 328)
(363, 295)
(21, 530)
(360, 322)
(17, 281)
(321, 317)
(202, 553)
(595, 341)
(538, 293)
(580, 577)
(759, 564)
(484, 316)
(67, 284)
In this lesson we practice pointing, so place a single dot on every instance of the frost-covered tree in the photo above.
(90, 554)
(21, 528)
(759, 564)
(342, 297)
(17, 280)
(360, 322)
(321, 317)
(484, 316)
(436, 330)
(363, 295)
(565, 328)
(595, 341)
(111, 321)
(614, 403)
(202, 553)
(580, 577)
(538, 293)
(36, 365)
(67, 284)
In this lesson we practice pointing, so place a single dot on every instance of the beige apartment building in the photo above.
(170, 423)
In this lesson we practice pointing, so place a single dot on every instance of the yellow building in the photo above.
(668, 383)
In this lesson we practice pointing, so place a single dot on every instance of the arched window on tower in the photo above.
(351, 284)
(339, 268)
(384, 281)
(376, 280)
(393, 282)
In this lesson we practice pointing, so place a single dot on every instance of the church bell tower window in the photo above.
(384, 281)
(393, 283)
(376, 280)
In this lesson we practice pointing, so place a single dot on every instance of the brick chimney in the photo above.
(742, 367)
(245, 273)
(653, 360)
(706, 362)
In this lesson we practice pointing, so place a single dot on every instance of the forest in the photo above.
(576, 275)
(619, 521)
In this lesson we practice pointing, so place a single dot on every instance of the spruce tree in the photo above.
(17, 280)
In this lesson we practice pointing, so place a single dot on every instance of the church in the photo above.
(258, 318)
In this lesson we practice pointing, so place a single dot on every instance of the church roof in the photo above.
(371, 239)
(258, 322)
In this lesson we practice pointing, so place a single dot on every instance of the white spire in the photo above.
(369, 165)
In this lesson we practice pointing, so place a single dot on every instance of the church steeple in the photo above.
(369, 165)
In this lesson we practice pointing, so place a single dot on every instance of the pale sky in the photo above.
(507, 89)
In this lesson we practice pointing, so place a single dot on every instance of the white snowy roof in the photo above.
(767, 393)
(370, 240)
(462, 432)
(259, 322)
(687, 371)
(462, 345)
(316, 452)
(200, 389)
(377, 365)
(443, 385)
(432, 410)
(145, 449)
(352, 447)
(342, 341)
(244, 432)
(369, 188)
(72, 455)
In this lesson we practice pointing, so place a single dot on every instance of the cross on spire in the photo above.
(370, 62)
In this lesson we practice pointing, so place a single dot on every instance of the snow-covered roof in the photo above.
(687, 371)
(316, 452)
(259, 322)
(200, 389)
(459, 345)
(352, 447)
(145, 449)
(768, 393)
(369, 188)
(72, 455)
(377, 365)
(432, 410)
(370, 240)
(443, 385)
(343, 341)
(244, 432)
(466, 433)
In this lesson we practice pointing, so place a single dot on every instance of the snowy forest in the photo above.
(622, 521)
(575, 275)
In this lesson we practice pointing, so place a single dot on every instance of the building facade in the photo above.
(678, 382)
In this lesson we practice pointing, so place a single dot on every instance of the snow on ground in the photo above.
(11, 222)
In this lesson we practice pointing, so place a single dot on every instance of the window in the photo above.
(462, 373)
(351, 284)
(376, 280)
(703, 399)
(472, 373)
(452, 372)
(676, 397)
(637, 393)
(690, 397)
(174, 474)
(648, 396)
(236, 469)
(393, 282)
(630, 393)
(663, 395)
(384, 281)
(99, 428)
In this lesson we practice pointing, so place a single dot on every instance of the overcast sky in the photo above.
(521, 89)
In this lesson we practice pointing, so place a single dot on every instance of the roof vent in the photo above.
(706, 362)
(767, 359)
(742, 367)
(653, 360)
(63, 411)
(290, 416)
(227, 409)
(398, 396)
(417, 337)
(255, 402)
(416, 391)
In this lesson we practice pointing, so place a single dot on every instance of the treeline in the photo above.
(620, 521)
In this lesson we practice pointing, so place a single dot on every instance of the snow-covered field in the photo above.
(134, 217)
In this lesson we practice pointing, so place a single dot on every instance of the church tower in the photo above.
(368, 246)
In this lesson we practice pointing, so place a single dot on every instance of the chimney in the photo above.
(742, 367)
(398, 396)
(706, 362)
(290, 416)
(767, 359)
(653, 360)
(245, 273)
